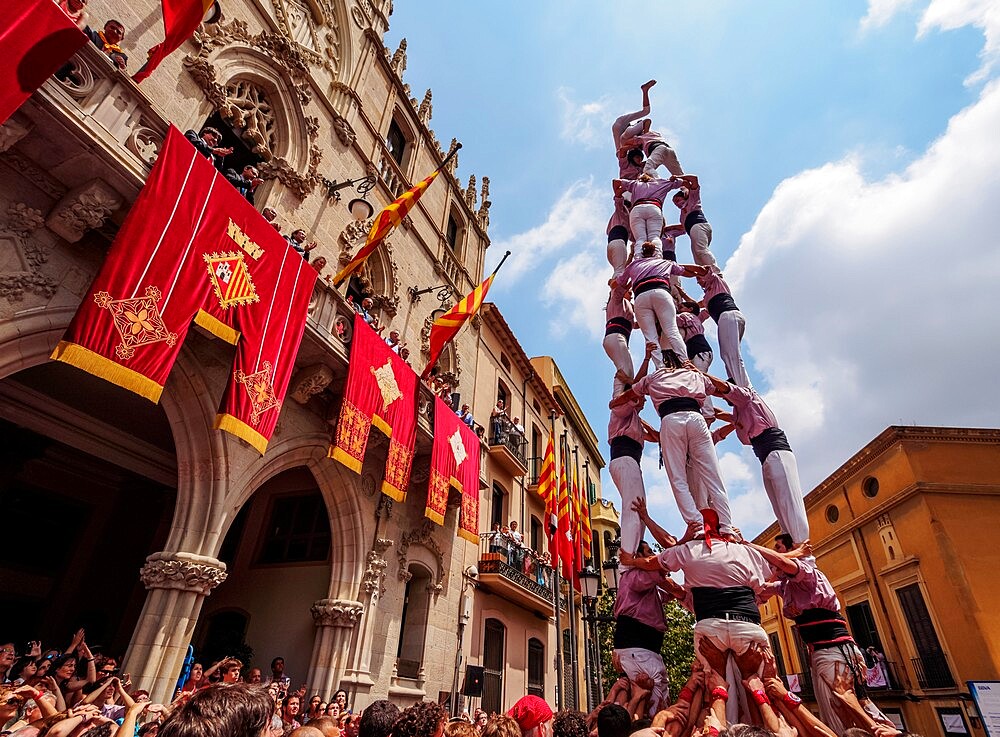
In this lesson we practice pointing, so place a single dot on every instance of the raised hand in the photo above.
(715, 657)
(749, 662)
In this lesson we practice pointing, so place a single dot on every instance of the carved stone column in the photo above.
(335, 620)
(178, 584)
(83, 208)
(358, 678)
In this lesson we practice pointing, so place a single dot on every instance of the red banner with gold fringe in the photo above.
(192, 248)
(381, 391)
(36, 38)
(454, 463)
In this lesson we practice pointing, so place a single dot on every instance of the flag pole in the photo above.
(555, 576)
(572, 597)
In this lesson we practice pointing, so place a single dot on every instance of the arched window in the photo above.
(536, 667)
(497, 499)
(494, 662)
(413, 622)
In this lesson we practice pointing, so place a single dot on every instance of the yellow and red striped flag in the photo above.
(587, 532)
(566, 548)
(447, 326)
(181, 19)
(548, 490)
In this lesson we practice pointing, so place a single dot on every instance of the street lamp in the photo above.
(610, 566)
(590, 583)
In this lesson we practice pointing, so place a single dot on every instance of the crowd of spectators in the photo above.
(508, 542)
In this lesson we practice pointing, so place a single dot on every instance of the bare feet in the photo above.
(650, 83)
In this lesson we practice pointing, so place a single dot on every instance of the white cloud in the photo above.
(576, 293)
(577, 219)
(880, 12)
(871, 303)
(585, 123)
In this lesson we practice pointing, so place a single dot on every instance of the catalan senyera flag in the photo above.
(447, 325)
(548, 490)
(587, 534)
(192, 249)
(385, 221)
(577, 519)
(181, 19)
(566, 553)
(36, 38)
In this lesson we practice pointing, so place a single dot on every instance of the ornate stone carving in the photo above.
(398, 62)
(311, 381)
(426, 110)
(336, 612)
(251, 111)
(299, 23)
(373, 580)
(301, 184)
(183, 572)
(470, 191)
(358, 16)
(78, 80)
(13, 131)
(368, 484)
(39, 177)
(343, 130)
(145, 143)
(453, 164)
(84, 208)
(21, 256)
(422, 535)
(484, 210)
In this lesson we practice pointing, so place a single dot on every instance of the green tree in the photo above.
(678, 643)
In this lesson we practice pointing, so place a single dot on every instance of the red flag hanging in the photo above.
(454, 463)
(566, 553)
(181, 19)
(36, 38)
(193, 248)
(382, 391)
(548, 490)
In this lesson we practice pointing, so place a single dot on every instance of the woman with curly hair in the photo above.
(423, 719)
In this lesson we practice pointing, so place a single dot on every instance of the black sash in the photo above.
(773, 438)
(626, 447)
(822, 625)
(697, 344)
(693, 218)
(722, 302)
(630, 632)
(619, 326)
(678, 404)
(730, 602)
(647, 285)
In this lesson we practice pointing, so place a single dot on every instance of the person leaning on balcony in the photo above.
(207, 144)
(107, 40)
(76, 10)
(245, 183)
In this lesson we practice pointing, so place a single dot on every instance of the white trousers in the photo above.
(626, 474)
(621, 128)
(781, 481)
(617, 256)
(687, 447)
(637, 661)
(731, 327)
(735, 637)
(701, 239)
(703, 361)
(823, 666)
(617, 350)
(654, 306)
(662, 156)
(646, 222)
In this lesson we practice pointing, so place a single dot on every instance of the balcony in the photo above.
(882, 677)
(508, 446)
(534, 471)
(933, 671)
(516, 574)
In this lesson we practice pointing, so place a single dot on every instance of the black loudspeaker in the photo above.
(473, 685)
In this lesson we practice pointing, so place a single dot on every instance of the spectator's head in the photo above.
(465, 408)
(367, 303)
(221, 711)
(278, 664)
(613, 721)
(250, 171)
(340, 696)
(680, 197)
(270, 214)
(230, 670)
(333, 710)
(569, 723)
(291, 708)
(531, 712)
(197, 670)
(501, 726)
(255, 677)
(783, 542)
(76, 5)
(634, 157)
(326, 726)
(644, 550)
(377, 719)
(140, 695)
(114, 31)
(211, 136)
(8, 654)
(513, 527)
(299, 236)
(64, 667)
(459, 727)
(307, 731)
(404, 353)
(423, 719)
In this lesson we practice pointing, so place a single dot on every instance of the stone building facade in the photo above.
(287, 554)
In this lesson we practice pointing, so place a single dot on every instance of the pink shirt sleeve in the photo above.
(670, 559)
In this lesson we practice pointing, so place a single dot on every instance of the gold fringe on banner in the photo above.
(338, 454)
(96, 364)
(243, 431)
(216, 327)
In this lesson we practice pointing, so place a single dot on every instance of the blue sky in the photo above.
(847, 149)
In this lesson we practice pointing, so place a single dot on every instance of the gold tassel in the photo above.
(104, 368)
(216, 327)
(338, 454)
(243, 431)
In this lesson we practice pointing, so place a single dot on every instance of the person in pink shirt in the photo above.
(646, 216)
(756, 426)
(626, 435)
(619, 323)
(688, 452)
(618, 236)
(627, 127)
(649, 277)
(658, 151)
(719, 302)
(690, 323)
(699, 230)
(808, 598)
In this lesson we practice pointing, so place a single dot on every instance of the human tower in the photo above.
(725, 577)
